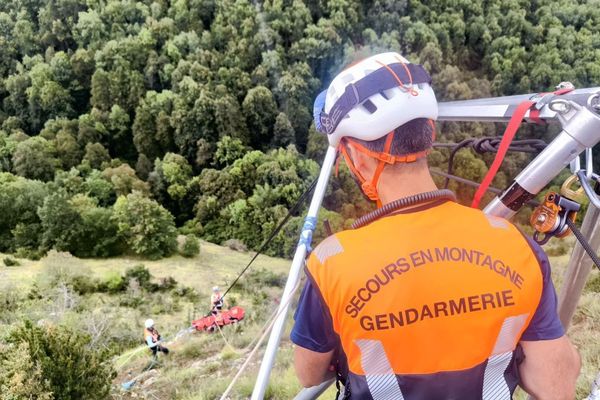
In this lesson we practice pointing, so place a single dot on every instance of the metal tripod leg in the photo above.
(579, 267)
(268, 359)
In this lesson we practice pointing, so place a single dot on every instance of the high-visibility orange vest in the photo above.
(153, 333)
(439, 297)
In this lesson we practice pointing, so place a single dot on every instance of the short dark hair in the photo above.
(412, 137)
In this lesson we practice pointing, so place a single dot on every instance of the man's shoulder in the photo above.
(329, 247)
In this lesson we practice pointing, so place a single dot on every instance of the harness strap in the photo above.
(507, 138)
(384, 157)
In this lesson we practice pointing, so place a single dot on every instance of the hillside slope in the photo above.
(201, 365)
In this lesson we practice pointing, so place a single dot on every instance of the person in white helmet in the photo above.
(153, 338)
(423, 298)
(216, 301)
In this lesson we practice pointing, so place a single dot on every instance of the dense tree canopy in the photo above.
(204, 106)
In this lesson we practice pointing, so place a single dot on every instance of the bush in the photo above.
(62, 225)
(141, 274)
(71, 369)
(20, 376)
(62, 269)
(148, 227)
(30, 254)
(99, 236)
(167, 283)
(115, 283)
(11, 262)
(188, 292)
(235, 244)
(10, 299)
(190, 247)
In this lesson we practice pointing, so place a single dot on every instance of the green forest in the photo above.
(125, 123)
(137, 136)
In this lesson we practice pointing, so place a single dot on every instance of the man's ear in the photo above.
(361, 161)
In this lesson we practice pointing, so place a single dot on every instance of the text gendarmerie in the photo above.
(447, 256)
(437, 309)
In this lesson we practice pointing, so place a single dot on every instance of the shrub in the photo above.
(71, 368)
(235, 244)
(115, 283)
(99, 233)
(148, 227)
(190, 247)
(167, 283)
(62, 269)
(141, 274)
(30, 254)
(62, 225)
(20, 376)
(11, 262)
(10, 299)
(84, 284)
(188, 292)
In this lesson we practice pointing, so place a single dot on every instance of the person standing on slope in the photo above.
(153, 338)
(426, 299)
(216, 301)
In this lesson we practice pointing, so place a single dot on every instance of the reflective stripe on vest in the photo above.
(445, 290)
(378, 371)
(494, 384)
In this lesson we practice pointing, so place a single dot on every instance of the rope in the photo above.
(584, 243)
(265, 326)
(274, 233)
(468, 182)
(259, 343)
(175, 338)
(225, 339)
(489, 144)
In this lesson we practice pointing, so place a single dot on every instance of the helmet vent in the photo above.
(369, 106)
(347, 78)
(388, 94)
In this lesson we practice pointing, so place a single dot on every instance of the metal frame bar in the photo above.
(581, 130)
(268, 359)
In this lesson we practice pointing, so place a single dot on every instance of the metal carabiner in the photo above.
(587, 188)
(567, 190)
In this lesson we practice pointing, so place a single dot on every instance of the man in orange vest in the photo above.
(424, 298)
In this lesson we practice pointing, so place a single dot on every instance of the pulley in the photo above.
(550, 217)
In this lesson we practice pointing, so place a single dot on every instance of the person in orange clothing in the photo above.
(424, 298)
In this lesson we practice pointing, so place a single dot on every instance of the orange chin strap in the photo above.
(384, 157)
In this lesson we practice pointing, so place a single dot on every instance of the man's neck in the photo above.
(396, 183)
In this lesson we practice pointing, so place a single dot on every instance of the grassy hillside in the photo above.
(202, 365)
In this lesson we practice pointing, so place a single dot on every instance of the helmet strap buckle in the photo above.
(369, 190)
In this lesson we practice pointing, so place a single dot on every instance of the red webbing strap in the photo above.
(507, 138)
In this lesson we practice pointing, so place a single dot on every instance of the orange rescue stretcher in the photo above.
(225, 317)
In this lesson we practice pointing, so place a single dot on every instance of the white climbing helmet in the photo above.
(373, 97)
(215, 289)
(149, 323)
